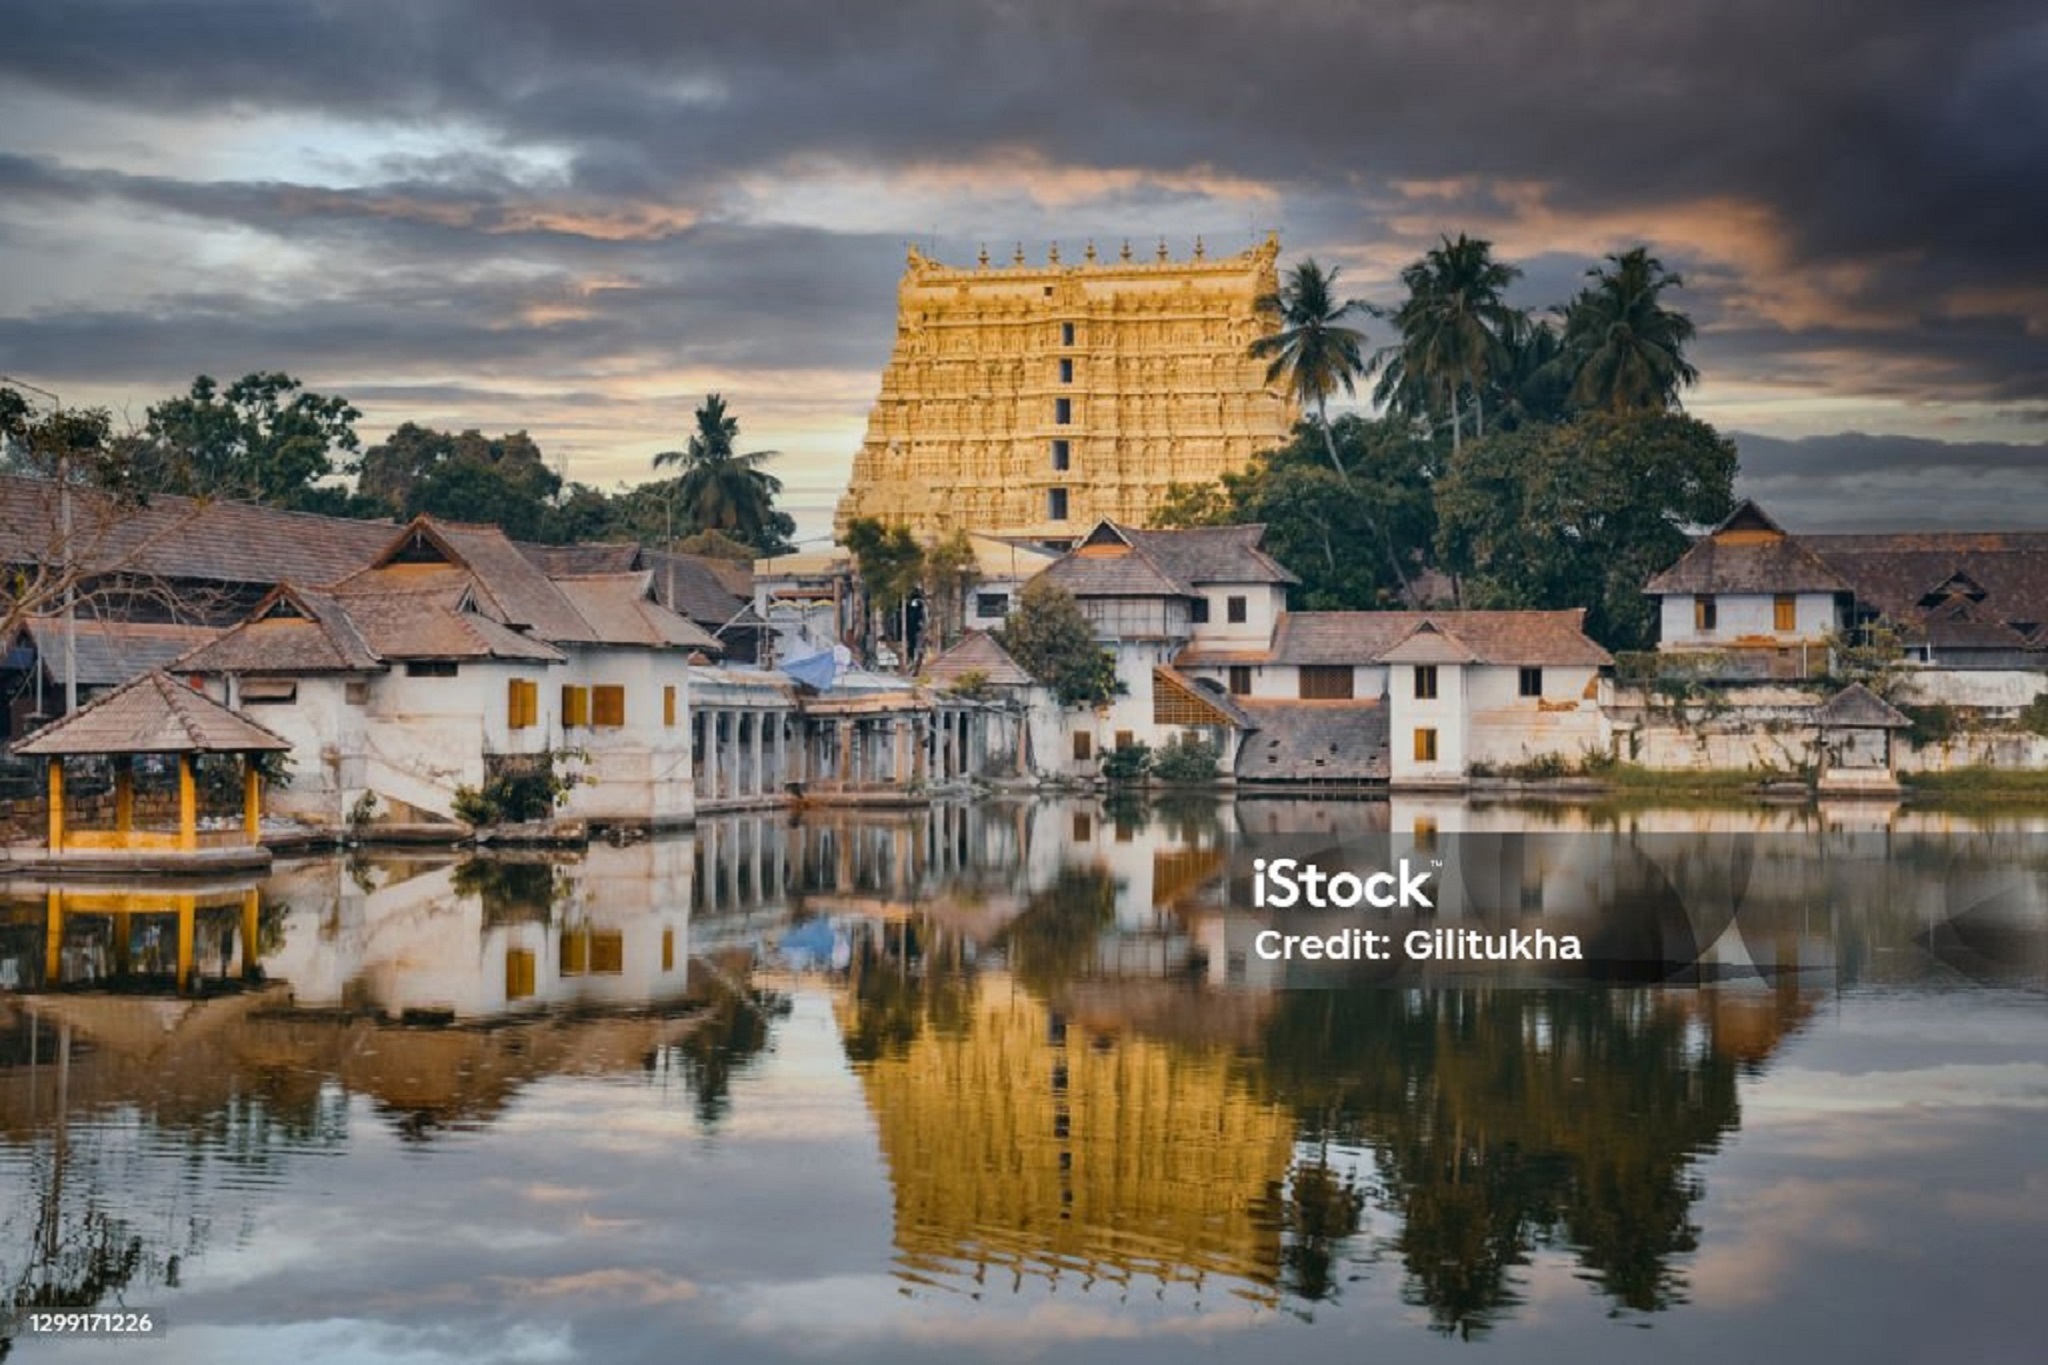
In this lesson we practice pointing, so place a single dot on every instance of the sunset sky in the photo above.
(579, 218)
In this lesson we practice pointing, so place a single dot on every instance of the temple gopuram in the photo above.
(1033, 400)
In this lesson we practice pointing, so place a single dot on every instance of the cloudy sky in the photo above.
(579, 218)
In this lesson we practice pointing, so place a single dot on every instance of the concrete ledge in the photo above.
(87, 864)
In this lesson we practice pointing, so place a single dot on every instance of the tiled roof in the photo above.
(1532, 638)
(1121, 561)
(109, 652)
(1771, 566)
(1205, 691)
(429, 621)
(214, 541)
(620, 609)
(1123, 572)
(557, 561)
(1896, 574)
(1314, 741)
(294, 630)
(978, 652)
(1429, 643)
(522, 594)
(151, 715)
(1857, 707)
(687, 585)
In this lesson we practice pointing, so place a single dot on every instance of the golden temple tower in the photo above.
(1031, 400)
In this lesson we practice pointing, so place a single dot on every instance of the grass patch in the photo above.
(1965, 786)
(1684, 781)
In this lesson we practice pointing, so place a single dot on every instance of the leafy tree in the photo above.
(1626, 351)
(719, 489)
(1452, 327)
(264, 438)
(1581, 514)
(1343, 539)
(1311, 352)
(950, 573)
(501, 480)
(1052, 640)
(890, 565)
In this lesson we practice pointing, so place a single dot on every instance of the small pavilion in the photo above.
(154, 714)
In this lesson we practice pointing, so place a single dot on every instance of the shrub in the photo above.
(1930, 725)
(2034, 716)
(1187, 759)
(515, 789)
(1127, 763)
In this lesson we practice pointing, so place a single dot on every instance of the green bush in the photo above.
(1187, 760)
(2034, 716)
(1127, 763)
(515, 789)
(1931, 725)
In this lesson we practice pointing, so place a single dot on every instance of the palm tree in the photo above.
(1626, 350)
(720, 489)
(1312, 354)
(1451, 327)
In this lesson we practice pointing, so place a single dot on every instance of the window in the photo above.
(1066, 334)
(1062, 411)
(356, 693)
(1233, 610)
(991, 604)
(1784, 612)
(1240, 680)
(608, 706)
(518, 973)
(1062, 456)
(1532, 682)
(430, 668)
(668, 950)
(1425, 746)
(1056, 504)
(1066, 371)
(1705, 616)
(1084, 746)
(522, 703)
(1084, 827)
(1123, 739)
(1326, 682)
(668, 706)
(269, 691)
(585, 952)
(1198, 610)
(575, 705)
(1425, 685)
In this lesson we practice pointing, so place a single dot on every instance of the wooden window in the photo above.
(608, 706)
(356, 693)
(1062, 411)
(518, 973)
(1062, 456)
(668, 950)
(1233, 610)
(1532, 682)
(1240, 680)
(575, 705)
(1056, 504)
(1425, 746)
(1198, 611)
(430, 668)
(1784, 612)
(1425, 683)
(1326, 682)
(1705, 615)
(607, 954)
(1084, 746)
(1124, 739)
(668, 706)
(522, 703)
(269, 691)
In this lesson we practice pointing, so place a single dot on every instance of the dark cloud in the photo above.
(1856, 482)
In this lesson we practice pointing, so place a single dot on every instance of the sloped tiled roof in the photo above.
(1429, 643)
(978, 652)
(1770, 566)
(1894, 574)
(1121, 561)
(509, 586)
(1173, 682)
(620, 609)
(293, 630)
(182, 538)
(1531, 638)
(1857, 707)
(687, 585)
(426, 618)
(1318, 741)
(558, 561)
(151, 715)
(106, 653)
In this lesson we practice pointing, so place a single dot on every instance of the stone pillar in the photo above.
(188, 818)
(921, 738)
(844, 725)
(252, 800)
(55, 771)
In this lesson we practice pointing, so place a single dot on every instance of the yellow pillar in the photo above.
(124, 798)
(252, 799)
(56, 770)
(251, 901)
(188, 805)
(188, 917)
(124, 939)
(53, 937)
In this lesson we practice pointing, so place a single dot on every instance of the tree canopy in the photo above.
(1052, 640)
(719, 489)
(264, 438)
(1311, 353)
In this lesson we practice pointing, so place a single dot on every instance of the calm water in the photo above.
(1007, 1082)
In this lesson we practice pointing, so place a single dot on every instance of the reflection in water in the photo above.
(1075, 1080)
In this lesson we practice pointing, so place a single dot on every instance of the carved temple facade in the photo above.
(1032, 400)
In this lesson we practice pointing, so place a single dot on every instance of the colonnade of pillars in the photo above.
(744, 754)
(890, 749)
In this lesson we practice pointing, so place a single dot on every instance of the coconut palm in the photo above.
(1312, 354)
(1451, 327)
(1626, 350)
(719, 489)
